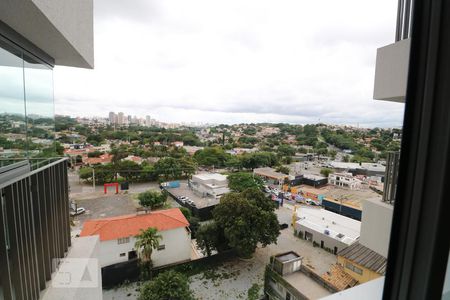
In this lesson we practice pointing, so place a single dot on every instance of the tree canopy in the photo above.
(238, 182)
(152, 199)
(254, 221)
(169, 285)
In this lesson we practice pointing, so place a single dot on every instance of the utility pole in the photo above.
(93, 178)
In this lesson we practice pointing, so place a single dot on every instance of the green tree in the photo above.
(283, 169)
(251, 224)
(238, 182)
(152, 199)
(85, 174)
(210, 237)
(169, 285)
(211, 156)
(146, 241)
(326, 172)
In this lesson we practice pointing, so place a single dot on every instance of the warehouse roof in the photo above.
(365, 257)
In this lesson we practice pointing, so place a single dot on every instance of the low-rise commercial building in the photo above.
(344, 180)
(326, 229)
(209, 184)
(118, 237)
(270, 175)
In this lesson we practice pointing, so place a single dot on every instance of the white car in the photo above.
(79, 211)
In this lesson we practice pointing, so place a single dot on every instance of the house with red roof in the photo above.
(118, 237)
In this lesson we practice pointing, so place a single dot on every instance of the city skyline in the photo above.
(276, 63)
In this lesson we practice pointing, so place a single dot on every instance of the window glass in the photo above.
(39, 108)
(12, 111)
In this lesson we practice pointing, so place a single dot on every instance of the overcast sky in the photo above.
(235, 61)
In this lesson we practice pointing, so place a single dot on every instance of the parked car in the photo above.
(284, 226)
(79, 211)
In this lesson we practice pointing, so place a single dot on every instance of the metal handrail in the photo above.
(28, 174)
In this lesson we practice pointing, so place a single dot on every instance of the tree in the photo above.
(186, 212)
(238, 182)
(169, 285)
(129, 169)
(346, 158)
(146, 241)
(211, 156)
(152, 199)
(283, 169)
(326, 172)
(251, 223)
(210, 237)
(86, 174)
(286, 150)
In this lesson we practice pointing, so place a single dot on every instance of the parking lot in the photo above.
(200, 202)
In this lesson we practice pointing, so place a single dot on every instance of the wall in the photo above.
(376, 225)
(391, 71)
(177, 242)
(367, 274)
(329, 242)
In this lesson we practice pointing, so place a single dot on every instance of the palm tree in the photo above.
(146, 241)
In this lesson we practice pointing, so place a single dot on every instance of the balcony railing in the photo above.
(34, 228)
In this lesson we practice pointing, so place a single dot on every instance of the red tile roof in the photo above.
(130, 225)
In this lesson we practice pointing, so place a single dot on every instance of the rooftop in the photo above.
(285, 257)
(306, 285)
(210, 176)
(347, 196)
(349, 165)
(269, 172)
(365, 257)
(341, 228)
(131, 225)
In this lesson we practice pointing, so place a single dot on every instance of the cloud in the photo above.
(234, 61)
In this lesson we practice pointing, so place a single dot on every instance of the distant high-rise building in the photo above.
(112, 118)
(120, 118)
(148, 120)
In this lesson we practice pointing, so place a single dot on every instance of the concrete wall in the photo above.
(328, 241)
(61, 28)
(391, 71)
(177, 249)
(376, 225)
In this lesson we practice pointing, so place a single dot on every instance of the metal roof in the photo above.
(365, 257)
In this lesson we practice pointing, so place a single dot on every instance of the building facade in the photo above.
(118, 237)
(214, 184)
(344, 180)
(326, 229)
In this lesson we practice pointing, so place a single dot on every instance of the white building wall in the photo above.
(376, 225)
(177, 249)
(328, 241)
